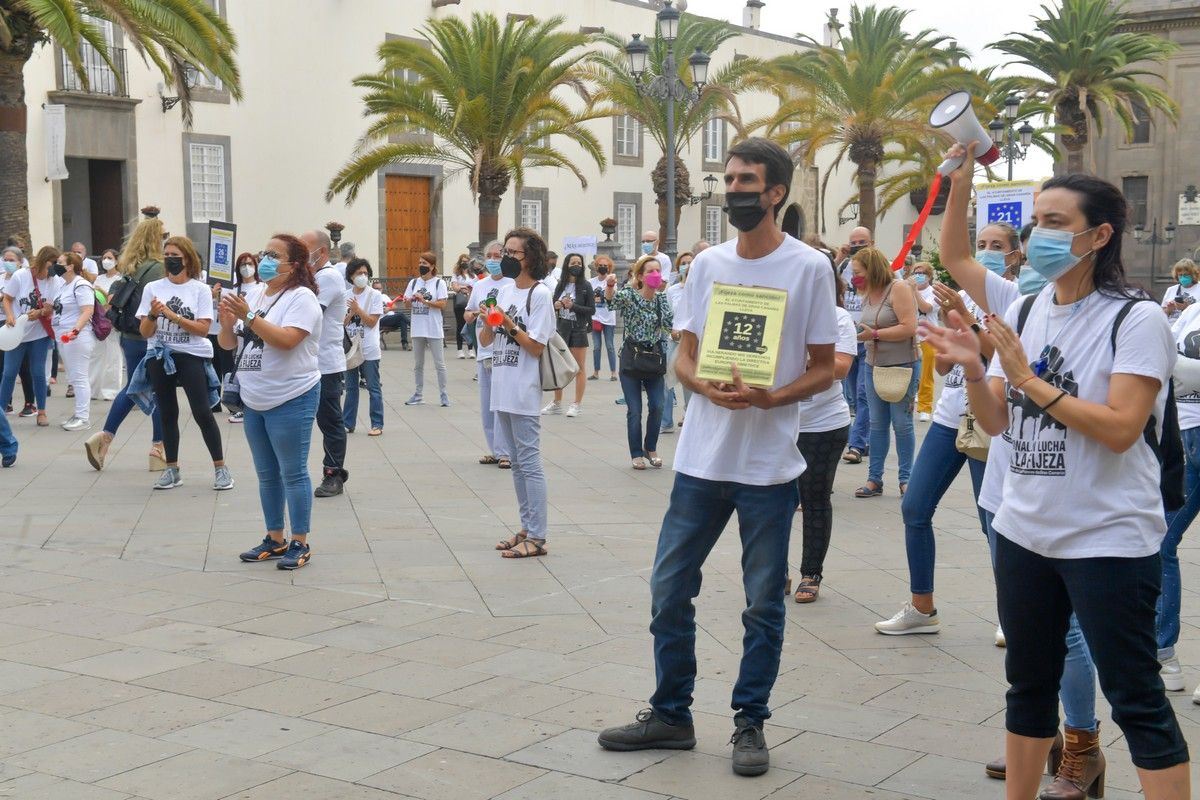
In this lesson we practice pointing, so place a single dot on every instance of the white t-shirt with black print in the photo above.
(20, 287)
(192, 301)
(952, 404)
(483, 290)
(828, 410)
(331, 295)
(604, 314)
(516, 377)
(1177, 294)
(1187, 345)
(72, 298)
(1116, 508)
(1000, 295)
(851, 299)
(756, 446)
(427, 321)
(371, 302)
(270, 376)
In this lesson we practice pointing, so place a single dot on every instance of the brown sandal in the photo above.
(524, 552)
(808, 589)
(512, 541)
(489, 459)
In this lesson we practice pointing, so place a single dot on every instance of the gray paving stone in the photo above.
(451, 775)
(557, 784)
(302, 786)
(26, 730)
(97, 755)
(281, 696)
(577, 753)
(696, 776)
(247, 733)
(196, 775)
(385, 713)
(485, 733)
(50, 787)
(348, 755)
(206, 679)
(850, 760)
(128, 664)
(156, 714)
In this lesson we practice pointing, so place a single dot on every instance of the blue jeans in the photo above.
(133, 350)
(897, 416)
(938, 464)
(8, 442)
(279, 439)
(850, 384)
(1077, 687)
(1177, 522)
(669, 397)
(632, 388)
(370, 371)
(697, 515)
(607, 332)
(36, 350)
(860, 431)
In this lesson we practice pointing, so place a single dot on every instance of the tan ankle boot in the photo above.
(998, 769)
(1081, 773)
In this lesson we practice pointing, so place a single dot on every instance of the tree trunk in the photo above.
(14, 163)
(1075, 160)
(662, 218)
(866, 195)
(489, 219)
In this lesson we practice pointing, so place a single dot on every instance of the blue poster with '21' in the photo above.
(1005, 212)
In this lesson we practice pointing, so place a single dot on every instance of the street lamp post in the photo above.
(1014, 145)
(1154, 240)
(667, 86)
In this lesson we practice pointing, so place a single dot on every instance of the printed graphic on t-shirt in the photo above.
(506, 352)
(28, 303)
(420, 309)
(252, 351)
(168, 331)
(1190, 349)
(954, 378)
(1044, 452)
(598, 294)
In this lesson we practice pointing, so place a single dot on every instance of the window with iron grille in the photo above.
(208, 182)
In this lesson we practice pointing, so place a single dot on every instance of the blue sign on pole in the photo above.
(1006, 212)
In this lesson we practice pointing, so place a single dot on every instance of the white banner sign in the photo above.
(56, 142)
(1006, 201)
(584, 245)
(1189, 213)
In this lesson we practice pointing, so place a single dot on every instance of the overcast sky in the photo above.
(973, 30)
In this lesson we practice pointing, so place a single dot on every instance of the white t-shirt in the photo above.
(215, 327)
(551, 280)
(1000, 295)
(851, 298)
(427, 321)
(192, 301)
(1116, 508)
(483, 289)
(72, 298)
(331, 294)
(756, 446)
(931, 315)
(952, 404)
(828, 410)
(665, 261)
(1187, 345)
(516, 378)
(20, 287)
(252, 291)
(604, 315)
(675, 298)
(90, 265)
(269, 376)
(370, 301)
(1175, 292)
(105, 281)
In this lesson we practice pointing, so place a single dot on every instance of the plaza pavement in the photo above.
(139, 658)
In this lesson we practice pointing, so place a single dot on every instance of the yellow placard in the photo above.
(744, 326)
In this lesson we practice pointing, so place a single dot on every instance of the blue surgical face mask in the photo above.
(920, 278)
(1049, 252)
(493, 266)
(993, 260)
(10, 267)
(1030, 281)
(1185, 281)
(268, 268)
(647, 247)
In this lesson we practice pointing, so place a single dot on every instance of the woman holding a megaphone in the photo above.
(1080, 369)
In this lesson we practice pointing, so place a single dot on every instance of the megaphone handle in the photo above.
(949, 165)
(934, 188)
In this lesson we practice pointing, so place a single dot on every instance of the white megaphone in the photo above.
(11, 335)
(955, 116)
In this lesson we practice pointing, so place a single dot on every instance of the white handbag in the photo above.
(557, 366)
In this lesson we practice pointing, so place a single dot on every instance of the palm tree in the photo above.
(489, 94)
(718, 98)
(174, 35)
(868, 96)
(1088, 65)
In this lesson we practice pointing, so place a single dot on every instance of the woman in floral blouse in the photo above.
(647, 315)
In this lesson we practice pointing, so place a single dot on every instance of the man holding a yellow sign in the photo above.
(758, 337)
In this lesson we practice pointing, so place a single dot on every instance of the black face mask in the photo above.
(424, 270)
(602, 270)
(510, 267)
(174, 264)
(58, 270)
(575, 270)
(744, 209)
(854, 248)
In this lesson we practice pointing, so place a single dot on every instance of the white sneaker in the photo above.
(552, 408)
(76, 424)
(461, 355)
(573, 410)
(1172, 675)
(1196, 696)
(1000, 641)
(924, 416)
(909, 620)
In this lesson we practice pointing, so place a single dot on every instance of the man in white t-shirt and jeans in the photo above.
(650, 248)
(737, 454)
(332, 292)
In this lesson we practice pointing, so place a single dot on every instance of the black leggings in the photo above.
(191, 376)
(822, 453)
(459, 321)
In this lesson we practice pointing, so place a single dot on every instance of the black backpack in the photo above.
(124, 302)
(1169, 448)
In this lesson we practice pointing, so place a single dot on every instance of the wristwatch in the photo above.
(250, 317)
(512, 333)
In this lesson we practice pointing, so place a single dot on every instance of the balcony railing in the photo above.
(102, 79)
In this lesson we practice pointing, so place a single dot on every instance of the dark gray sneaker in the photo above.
(750, 755)
(648, 732)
